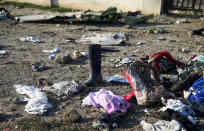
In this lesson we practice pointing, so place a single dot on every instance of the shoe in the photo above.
(95, 65)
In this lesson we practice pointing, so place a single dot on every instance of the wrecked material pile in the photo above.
(157, 81)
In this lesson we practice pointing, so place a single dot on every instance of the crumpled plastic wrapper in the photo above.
(37, 101)
(63, 88)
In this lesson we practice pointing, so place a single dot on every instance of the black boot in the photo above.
(95, 64)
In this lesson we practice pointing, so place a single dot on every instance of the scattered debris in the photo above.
(164, 62)
(37, 101)
(199, 57)
(56, 50)
(84, 54)
(154, 30)
(106, 99)
(43, 82)
(4, 14)
(181, 21)
(52, 57)
(37, 66)
(162, 125)
(140, 43)
(170, 115)
(151, 78)
(96, 124)
(30, 39)
(162, 38)
(48, 17)
(181, 108)
(196, 92)
(183, 50)
(109, 15)
(120, 62)
(136, 19)
(146, 111)
(116, 78)
(3, 52)
(107, 121)
(132, 55)
(145, 81)
(63, 88)
(125, 61)
(103, 39)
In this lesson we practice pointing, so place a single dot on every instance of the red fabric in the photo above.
(167, 55)
(159, 55)
(131, 94)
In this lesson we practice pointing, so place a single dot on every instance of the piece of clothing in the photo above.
(181, 108)
(196, 91)
(108, 121)
(188, 74)
(162, 125)
(38, 101)
(106, 99)
(164, 57)
(170, 115)
(63, 88)
(197, 107)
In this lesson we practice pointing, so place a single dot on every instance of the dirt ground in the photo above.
(15, 66)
